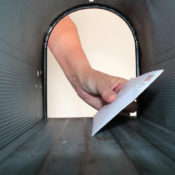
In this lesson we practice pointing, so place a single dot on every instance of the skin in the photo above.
(94, 87)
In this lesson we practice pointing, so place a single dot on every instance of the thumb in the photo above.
(108, 95)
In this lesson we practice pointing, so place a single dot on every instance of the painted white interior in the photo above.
(109, 46)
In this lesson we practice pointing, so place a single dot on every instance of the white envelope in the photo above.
(128, 94)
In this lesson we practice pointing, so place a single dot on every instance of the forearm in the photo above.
(65, 44)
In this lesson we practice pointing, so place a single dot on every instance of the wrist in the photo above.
(79, 74)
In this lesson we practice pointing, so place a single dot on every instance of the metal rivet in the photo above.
(36, 85)
(64, 142)
(38, 73)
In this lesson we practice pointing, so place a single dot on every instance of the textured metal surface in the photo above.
(20, 99)
(13, 146)
(162, 138)
(154, 22)
(158, 103)
(65, 146)
(30, 155)
(149, 146)
(76, 152)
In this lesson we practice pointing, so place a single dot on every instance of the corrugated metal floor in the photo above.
(65, 147)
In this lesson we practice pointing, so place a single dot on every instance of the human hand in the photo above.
(97, 88)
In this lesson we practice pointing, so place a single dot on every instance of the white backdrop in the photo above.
(109, 46)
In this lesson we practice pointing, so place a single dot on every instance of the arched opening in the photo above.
(109, 43)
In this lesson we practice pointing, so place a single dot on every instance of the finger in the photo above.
(118, 88)
(94, 101)
(109, 95)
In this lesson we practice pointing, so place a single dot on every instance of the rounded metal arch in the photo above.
(67, 12)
